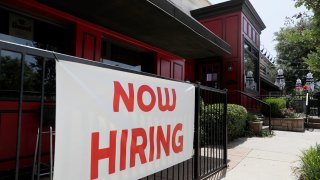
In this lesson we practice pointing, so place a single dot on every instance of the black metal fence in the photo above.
(27, 110)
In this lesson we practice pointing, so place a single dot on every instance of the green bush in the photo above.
(251, 117)
(310, 163)
(276, 105)
(236, 120)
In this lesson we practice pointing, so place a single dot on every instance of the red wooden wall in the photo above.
(228, 28)
(233, 28)
(87, 43)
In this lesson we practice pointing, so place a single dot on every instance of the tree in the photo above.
(313, 57)
(299, 43)
(294, 44)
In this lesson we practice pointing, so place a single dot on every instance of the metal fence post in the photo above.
(41, 118)
(270, 128)
(197, 133)
(225, 111)
(18, 144)
(307, 111)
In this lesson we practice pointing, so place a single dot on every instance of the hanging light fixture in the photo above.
(280, 81)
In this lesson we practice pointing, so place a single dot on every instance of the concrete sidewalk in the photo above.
(270, 158)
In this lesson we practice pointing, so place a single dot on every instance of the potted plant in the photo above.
(255, 123)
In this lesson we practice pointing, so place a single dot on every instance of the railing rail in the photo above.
(252, 104)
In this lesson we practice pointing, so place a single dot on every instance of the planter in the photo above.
(256, 126)
(288, 124)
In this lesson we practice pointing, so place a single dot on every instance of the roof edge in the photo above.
(228, 7)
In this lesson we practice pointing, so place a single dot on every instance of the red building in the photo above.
(218, 46)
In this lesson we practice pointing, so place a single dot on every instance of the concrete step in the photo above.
(314, 119)
(265, 127)
(314, 125)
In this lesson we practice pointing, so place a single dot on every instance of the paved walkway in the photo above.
(271, 158)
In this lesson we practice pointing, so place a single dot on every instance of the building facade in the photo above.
(268, 74)
(216, 45)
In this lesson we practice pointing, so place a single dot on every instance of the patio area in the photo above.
(268, 158)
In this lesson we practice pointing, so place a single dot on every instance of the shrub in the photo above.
(289, 113)
(236, 120)
(310, 163)
(251, 117)
(276, 105)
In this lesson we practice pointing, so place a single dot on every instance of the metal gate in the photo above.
(27, 109)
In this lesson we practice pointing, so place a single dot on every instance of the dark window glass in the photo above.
(10, 68)
(119, 54)
(42, 34)
(50, 80)
(251, 68)
(32, 77)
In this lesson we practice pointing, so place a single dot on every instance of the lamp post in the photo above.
(310, 82)
(280, 81)
(298, 88)
(298, 83)
(250, 84)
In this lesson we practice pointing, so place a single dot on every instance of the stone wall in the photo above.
(288, 124)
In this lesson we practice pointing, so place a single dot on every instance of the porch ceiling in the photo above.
(155, 22)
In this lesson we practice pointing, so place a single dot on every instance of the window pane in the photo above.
(10, 68)
(32, 77)
(251, 70)
(50, 80)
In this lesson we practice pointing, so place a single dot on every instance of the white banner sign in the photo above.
(118, 125)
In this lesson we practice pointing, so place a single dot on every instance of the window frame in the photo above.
(253, 53)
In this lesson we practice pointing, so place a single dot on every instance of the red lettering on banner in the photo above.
(164, 141)
(120, 92)
(151, 134)
(128, 98)
(104, 153)
(123, 149)
(137, 147)
(177, 148)
(142, 89)
(167, 106)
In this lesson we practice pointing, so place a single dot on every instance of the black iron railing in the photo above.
(252, 104)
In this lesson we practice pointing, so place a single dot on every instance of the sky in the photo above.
(273, 14)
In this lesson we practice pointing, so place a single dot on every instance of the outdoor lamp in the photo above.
(310, 82)
(250, 80)
(280, 82)
(298, 83)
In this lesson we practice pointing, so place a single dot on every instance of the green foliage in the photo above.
(276, 105)
(310, 163)
(298, 45)
(236, 120)
(294, 44)
(266, 133)
(251, 117)
(289, 113)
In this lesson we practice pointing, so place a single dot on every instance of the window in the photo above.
(33, 78)
(251, 68)
(264, 70)
(125, 56)
(10, 69)
(33, 32)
